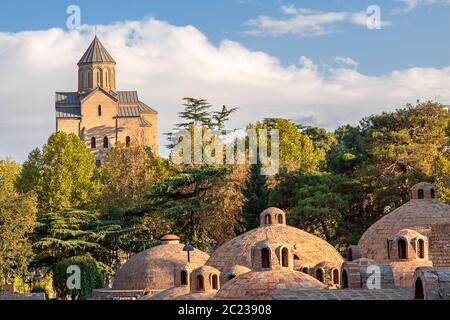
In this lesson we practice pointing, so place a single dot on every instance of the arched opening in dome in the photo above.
(232, 276)
(388, 247)
(319, 275)
(336, 277)
(421, 194)
(350, 254)
(200, 283)
(305, 270)
(184, 277)
(344, 281)
(215, 282)
(265, 258)
(433, 194)
(268, 219)
(421, 249)
(418, 290)
(285, 258)
(401, 249)
(280, 219)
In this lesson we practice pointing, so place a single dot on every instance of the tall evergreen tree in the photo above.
(178, 199)
(196, 113)
(256, 197)
(221, 117)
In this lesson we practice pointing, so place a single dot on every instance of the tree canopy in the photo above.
(63, 174)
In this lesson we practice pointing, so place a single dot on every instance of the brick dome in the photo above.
(272, 216)
(169, 294)
(237, 270)
(422, 211)
(307, 250)
(263, 285)
(156, 268)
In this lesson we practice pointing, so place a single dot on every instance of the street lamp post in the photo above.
(188, 248)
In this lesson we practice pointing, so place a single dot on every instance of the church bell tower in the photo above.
(96, 69)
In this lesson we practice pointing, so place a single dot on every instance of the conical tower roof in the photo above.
(96, 53)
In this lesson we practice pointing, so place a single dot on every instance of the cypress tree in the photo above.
(256, 197)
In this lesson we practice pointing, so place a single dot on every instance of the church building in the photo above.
(101, 115)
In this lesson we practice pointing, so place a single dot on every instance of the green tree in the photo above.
(321, 138)
(178, 198)
(17, 220)
(66, 233)
(63, 174)
(196, 112)
(128, 174)
(256, 197)
(91, 275)
(221, 117)
(297, 150)
(326, 205)
(9, 171)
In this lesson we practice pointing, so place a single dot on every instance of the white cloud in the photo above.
(409, 5)
(166, 63)
(346, 61)
(304, 22)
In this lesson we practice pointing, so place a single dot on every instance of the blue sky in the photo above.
(315, 62)
(419, 37)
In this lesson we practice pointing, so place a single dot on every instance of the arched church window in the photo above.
(285, 258)
(99, 77)
(268, 219)
(89, 79)
(421, 194)
(105, 142)
(93, 143)
(184, 278)
(128, 141)
(421, 249)
(402, 249)
(265, 258)
(99, 110)
(81, 79)
(200, 283)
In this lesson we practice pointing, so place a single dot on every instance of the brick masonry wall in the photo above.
(440, 245)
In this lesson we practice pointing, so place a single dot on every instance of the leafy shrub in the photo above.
(91, 278)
